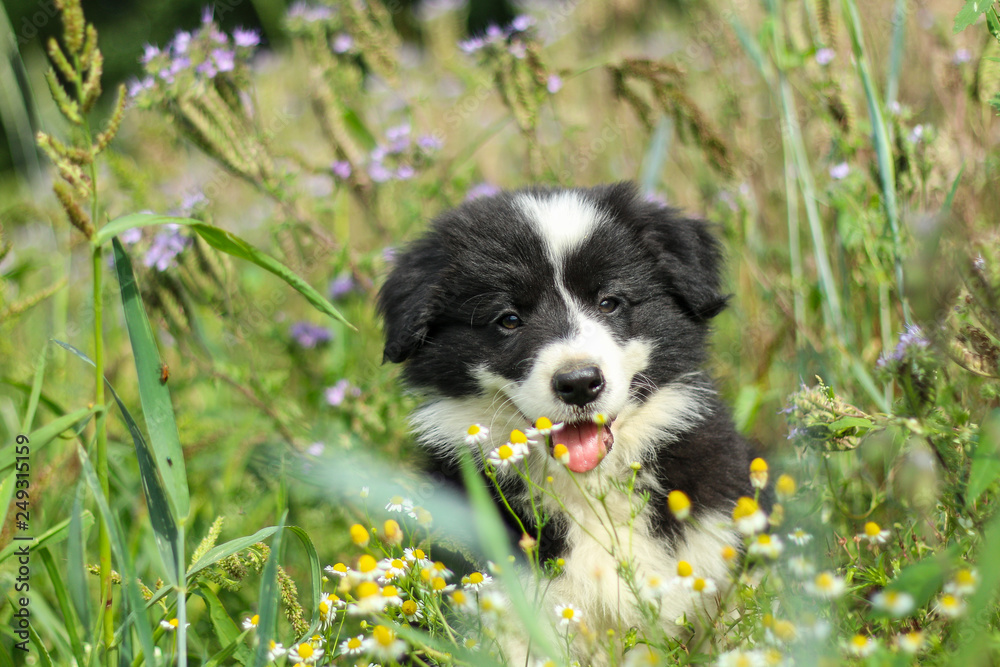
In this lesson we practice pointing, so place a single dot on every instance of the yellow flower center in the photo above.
(396, 500)
(438, 583)
(255, 620)
(409, 608)
(518, 438)
(678, 501)
(785, 485)
(419, 554)
(824, 581)
(486, 604)
(543, 424)
(964, 577)
(758, 465)
(764, 540)
(684, 569)
(359, 534)
(458, 597)
(475, 429)
(398, 564)
(728, 553)
(947, 601)
(699, 584)
(389, 592)
(366, 589)
(568, 613)
(367, 563)
(383, 635)
(353, 644)
(476, 578)
(324, 608)
(305, 650)
(872, 529)
(505, 452)
(745, 507)
(470, 642)
(559, 451)
(391, 529)
(174, 622)
(341, 568)
(425, 575)
(859, 641)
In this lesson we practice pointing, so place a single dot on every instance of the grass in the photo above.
(245, 403)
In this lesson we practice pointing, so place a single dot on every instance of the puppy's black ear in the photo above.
(407, 301)
(689, 257)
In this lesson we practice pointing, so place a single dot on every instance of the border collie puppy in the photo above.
(591, 308)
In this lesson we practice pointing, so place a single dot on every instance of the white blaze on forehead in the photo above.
(564, 220)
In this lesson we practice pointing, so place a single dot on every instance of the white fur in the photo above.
(564, 220)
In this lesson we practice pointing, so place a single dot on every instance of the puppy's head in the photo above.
(580, 305)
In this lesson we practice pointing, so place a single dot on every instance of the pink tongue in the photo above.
(586, 444)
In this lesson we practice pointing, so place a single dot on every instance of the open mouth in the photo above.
(587, 442)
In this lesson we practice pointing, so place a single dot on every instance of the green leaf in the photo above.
(954, 186)
(75, 420)
(315, 572)
(229, 548)
(125, 567)
(268, 598)
(228, 633)
(985, 467)
(62, 597)
(845, 423)
(995, 102)
(225, 242)
(53, 535)
(36, 390)
(154, 396)
(76, 577)
(968, 14)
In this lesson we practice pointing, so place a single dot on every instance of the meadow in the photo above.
(203, 459)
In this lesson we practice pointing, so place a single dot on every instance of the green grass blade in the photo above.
(53, 535)
(946, 208)
(656, 155)
(76, 420)
(36, 390)
(76, 577)
(62, 597)
(494, 540)
(168, 457)
(985, 467)
(226, 629)
(315, 572)
(228, 243)
(896, 58)
(883, 146)
(269, 597)
(229, 548)
(138, 619)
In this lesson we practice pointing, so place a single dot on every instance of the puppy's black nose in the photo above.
(578, 385)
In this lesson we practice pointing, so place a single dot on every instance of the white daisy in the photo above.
(910, 642)
(507, 454)
(384, 644)
(861, 645)
(767, 546)
(826, 585)
(894, 603)
(476, 580)
(353, 646)
(964, 582)
(568, 615)
(801, 567)
(399, 504)
(305, 653)
(874, 533)
(949, 605)
(476, 435)
(251, 623)
(800, 537)
(412, 610)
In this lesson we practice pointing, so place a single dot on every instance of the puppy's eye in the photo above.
(510, 321)
(608, 305)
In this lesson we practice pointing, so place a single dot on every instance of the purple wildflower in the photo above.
(207, 67)
(138, 86)
(309, 335)
(192, 201)
(481, 190)
(181, 42)
(309, 13)
(522, 23)
(472, 45)
(207, 14)
(916, 134)
(149, 52)
(825, 56)
(911, 339)
(341, 169)
(341, 286)
(518, 49)
(962, 56)
(398, 138)
(166, 246)
(405, 172)
(225, 60)
(554, 84)
(315, 449)
(388, 254)
(343, 43)
(656, 198)
(246, 38)
(429, 142)
(131, 236)
(379, 172)
(336, 394)
(840, 171)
